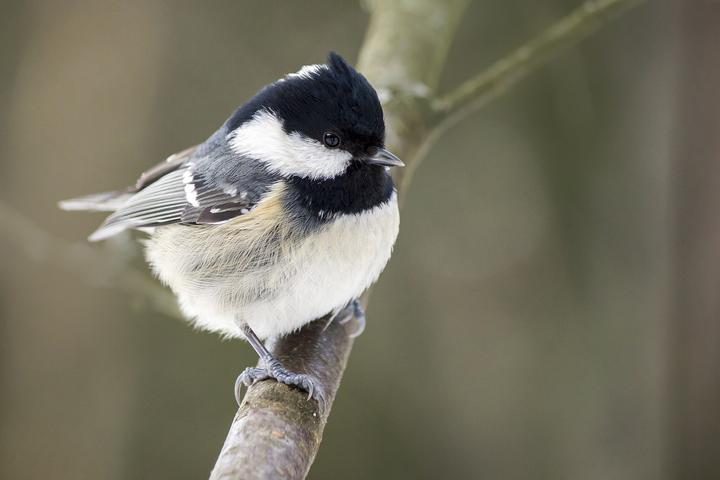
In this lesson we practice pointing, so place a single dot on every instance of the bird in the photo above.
(286, 213)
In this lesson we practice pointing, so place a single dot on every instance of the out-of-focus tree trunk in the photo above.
(696, 334)
(63, 379)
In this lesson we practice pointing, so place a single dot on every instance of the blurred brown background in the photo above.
(551, 310)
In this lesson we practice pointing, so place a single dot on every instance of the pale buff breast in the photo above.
(254, 270)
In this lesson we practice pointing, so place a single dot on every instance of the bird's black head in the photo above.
(313, 123)
(333, 104)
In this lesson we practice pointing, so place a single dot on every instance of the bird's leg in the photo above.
(274, 369)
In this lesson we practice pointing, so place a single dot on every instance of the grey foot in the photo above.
(355, 309)
(276, 371)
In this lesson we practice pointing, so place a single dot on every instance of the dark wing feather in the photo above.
(173, 162)
(215, 203)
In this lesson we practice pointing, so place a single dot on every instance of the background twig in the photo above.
(496, 79)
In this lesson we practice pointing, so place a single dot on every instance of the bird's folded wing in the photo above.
(171, 163)
(182, 196)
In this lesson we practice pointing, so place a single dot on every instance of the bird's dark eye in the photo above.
(331, 140)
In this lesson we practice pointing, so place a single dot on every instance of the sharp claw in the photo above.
(276, 371)
(273, 368)
(250, 376)
(358, 332)
(346, 318)
(359, 313)
(238, 390)
(354, 310)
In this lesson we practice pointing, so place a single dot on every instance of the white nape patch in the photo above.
(308, 71)
(264, 139)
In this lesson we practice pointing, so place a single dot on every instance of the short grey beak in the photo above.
(385, 158)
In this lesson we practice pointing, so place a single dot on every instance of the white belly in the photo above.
(320, 274)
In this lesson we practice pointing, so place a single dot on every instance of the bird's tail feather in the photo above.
(97, 202)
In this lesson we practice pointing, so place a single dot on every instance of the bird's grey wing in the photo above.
(193, 193)
(173, 162)
(112, 201)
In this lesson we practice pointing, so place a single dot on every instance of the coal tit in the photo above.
(283, 215)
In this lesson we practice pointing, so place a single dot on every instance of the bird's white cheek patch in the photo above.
(264, 139)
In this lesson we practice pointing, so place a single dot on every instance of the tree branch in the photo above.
(277, 430)
(503, 74)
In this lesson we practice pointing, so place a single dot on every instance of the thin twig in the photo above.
(495, 80)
